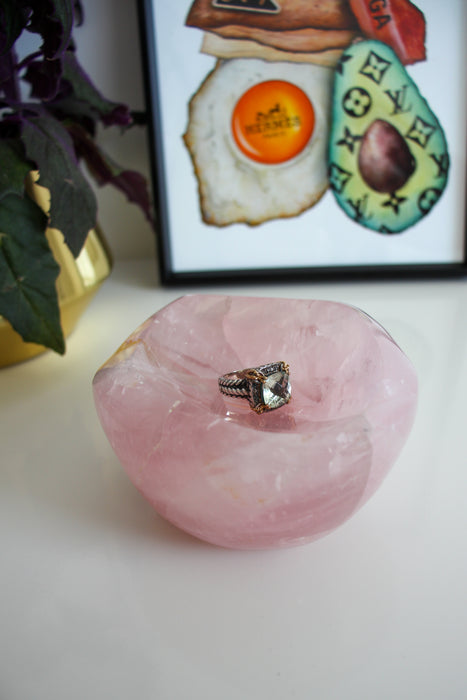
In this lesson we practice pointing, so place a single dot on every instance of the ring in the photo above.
(266, 387)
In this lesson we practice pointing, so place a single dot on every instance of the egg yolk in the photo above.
(273, 121)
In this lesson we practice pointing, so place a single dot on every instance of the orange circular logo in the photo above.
(273, 121)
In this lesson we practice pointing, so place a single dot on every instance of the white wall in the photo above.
(109, 50)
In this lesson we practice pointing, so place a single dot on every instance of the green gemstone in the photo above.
(276, 390)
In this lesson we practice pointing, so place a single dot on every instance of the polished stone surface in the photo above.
(216, 469)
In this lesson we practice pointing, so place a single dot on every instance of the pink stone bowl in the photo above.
(224, 474)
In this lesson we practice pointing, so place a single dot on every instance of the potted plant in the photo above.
(46, 136)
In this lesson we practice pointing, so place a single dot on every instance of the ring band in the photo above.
(266, 387)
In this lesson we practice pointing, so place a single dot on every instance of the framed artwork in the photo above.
(291, 141)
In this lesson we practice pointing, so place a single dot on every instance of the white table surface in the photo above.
(101, 598)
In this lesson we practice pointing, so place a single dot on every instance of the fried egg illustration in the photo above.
(257, 135)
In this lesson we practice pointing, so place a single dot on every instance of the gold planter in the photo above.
(78, 281)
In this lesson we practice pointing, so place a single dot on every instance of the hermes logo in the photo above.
(273, 122)
(268, 7)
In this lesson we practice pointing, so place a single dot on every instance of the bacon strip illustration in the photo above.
(398, 23)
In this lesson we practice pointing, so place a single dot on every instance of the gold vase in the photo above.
(78, 281)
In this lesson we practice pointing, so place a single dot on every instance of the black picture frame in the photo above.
(170, 70)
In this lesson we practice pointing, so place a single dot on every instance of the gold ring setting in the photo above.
(266, 387)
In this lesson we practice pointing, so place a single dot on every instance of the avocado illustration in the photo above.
(388, 157)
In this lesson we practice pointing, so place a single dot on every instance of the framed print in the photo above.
(306, 140)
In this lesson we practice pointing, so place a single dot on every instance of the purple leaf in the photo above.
(53, 20)
(13, 19)
(83, 90)
(134, 186)
(106, 172)
(10, 126)
(44, 78)
(9, 87)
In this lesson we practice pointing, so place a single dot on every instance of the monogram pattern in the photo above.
(371, 84)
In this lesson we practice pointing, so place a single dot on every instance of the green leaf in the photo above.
(14, 167)
(28, 297)
(73, 207)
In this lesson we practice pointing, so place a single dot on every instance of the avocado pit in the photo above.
(384, 160)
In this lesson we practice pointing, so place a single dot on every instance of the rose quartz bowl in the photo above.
(219, 471)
